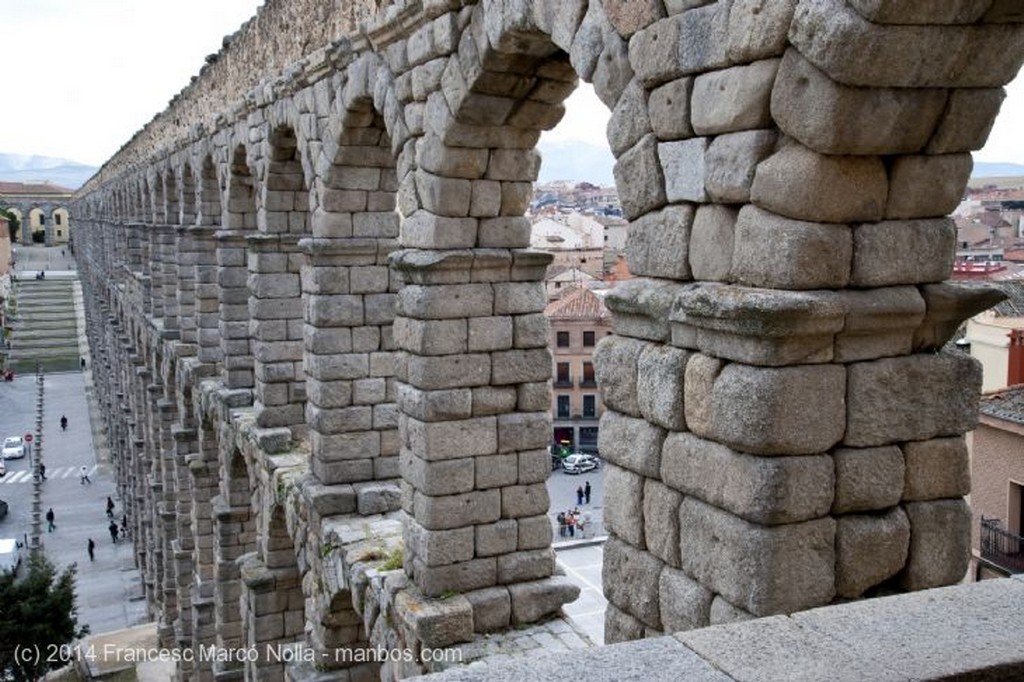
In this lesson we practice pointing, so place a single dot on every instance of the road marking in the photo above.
(26, 476)
(16, 476)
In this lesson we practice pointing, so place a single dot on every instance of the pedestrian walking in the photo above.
(92, 550)
(124, 526)
(113, 531)
(579, 495)
(570, 521)
(42, 471)
(50, 516)
(110, 508)
(63, 423)
(84, 475)
(586, 492)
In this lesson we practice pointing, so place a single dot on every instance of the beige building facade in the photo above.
(578, 321)
(997, 473)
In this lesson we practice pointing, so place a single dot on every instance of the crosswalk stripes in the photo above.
(25, 476)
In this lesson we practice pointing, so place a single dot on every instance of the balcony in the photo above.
(563, 383)
(1000, 547)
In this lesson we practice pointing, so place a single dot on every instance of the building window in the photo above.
(562, 339)
(563, 407)
(588, 339)
(562, 375)
(59, 233)
(588, 375)
(56, 219)
(589, 406)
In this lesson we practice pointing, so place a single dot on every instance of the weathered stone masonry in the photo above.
(319, 330)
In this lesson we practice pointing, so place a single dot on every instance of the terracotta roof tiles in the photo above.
(579, 304)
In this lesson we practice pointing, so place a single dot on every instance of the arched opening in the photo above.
(188, 195)
(239, 222)
(352, 414)
(173, 210)
(207, 273)
(234, 536)
(60, 225)
(273, 601)
(159, 207)
(275, 286)
(37, 225)
(209, 194)
(469, 186)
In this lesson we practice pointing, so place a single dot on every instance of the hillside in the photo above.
(30, 169)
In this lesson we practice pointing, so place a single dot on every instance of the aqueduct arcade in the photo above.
(318, 331)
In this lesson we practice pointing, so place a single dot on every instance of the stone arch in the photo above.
(234, 536)
(159, 201)
(207, 272)
(189, 191)
(60, 221)
(467, 185)
(274, 277)
(146, 201)
(354, 230)
(239, 222)
(210, 212)
(172, 212)
(23, 236)
(35, 223)
(273, 602)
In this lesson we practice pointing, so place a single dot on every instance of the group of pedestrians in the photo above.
(116, 532)
(571, 521)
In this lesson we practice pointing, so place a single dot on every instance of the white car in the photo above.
(14, 447)
(580, 463)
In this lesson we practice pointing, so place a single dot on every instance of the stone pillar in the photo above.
(167, 288)
(348, 314)
(207, 306)
(233, 299)
(275, 307)
(187, 249)
(473, 394)
(766, 429)
(272, 602)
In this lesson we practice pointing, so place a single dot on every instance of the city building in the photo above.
(997, 473)
(578, 321)
(41, 209)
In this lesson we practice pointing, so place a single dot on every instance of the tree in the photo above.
(38, 617)
(13, 222)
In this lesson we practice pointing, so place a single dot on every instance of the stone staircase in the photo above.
(44, 327)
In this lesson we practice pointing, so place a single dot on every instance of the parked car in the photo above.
(15, 447)
(580, 463)
(10, 555)
(3, 468)
(3, 509)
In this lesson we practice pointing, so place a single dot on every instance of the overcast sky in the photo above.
(82, 76)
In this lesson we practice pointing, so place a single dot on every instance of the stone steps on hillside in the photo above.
(44, 328)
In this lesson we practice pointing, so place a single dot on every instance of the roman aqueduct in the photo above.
(317, 327)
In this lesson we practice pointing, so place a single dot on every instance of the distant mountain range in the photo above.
(997, 170)
(577, 161)
(63, 172)
(582, 161)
